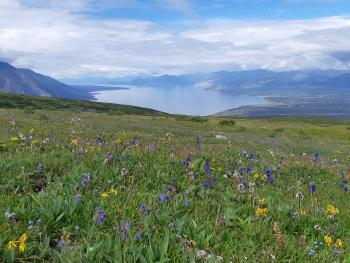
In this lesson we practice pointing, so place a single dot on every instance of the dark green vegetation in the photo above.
(96, 187)
(31, 103)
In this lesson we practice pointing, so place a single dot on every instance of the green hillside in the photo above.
(9, 100)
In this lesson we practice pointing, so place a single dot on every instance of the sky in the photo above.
(117, 38)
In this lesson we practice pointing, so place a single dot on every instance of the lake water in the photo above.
(181, 100)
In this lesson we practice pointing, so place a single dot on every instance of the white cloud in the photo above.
(62, 43)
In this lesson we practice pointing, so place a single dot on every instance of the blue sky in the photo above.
(117, 38)
(233, 9)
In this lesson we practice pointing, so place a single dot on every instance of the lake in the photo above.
(179, 100)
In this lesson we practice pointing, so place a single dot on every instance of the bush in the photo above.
(227, 122)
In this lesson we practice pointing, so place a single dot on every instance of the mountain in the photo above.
(28, 82)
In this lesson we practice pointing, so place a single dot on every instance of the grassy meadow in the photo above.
(99, 187)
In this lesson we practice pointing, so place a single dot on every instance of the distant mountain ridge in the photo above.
(28, 82)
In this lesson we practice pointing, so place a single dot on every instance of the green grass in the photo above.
(147, 154)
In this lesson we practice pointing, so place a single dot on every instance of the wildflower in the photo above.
(14, 139)
(22, 243)
(312, 188)
(163, 198)
(9, 215)
(299, 195)
(113, 191)
(187, 202)
(74, 142)
(85, 180)
(213, 181)
(329, 240)
(271, 179)
(261, 212)
(78, 198)
(339, 243)
(104, 194)
(144, 209)
(262, 202)
(311, 252)
(240, 187)
(317, 227)
(206, 184)
(11, 245)
(278, 235)
(332, 210)
(171, 188)
(101, 216)
(138, 236)
(256, 176)
(336, 251)
(124, 228)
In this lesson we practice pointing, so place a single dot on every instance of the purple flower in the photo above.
(101, 216)
(163, 198)
(214, 181)
(245, 184)
(144, 209)
(138, 236)
(249, 169)
(346, 189)
(312, 188)
(78, 198)
(171, 188)
(206, 184)
(207, 167)
(85, 180)
(187, 202)
(124, 228)
(268, 172)
(271, 179)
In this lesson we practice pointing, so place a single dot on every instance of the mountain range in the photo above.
(28, 82)
(307, 92)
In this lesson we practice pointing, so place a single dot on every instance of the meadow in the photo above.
(101, 187)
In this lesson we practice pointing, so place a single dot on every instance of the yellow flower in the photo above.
(256, 176)
(11, 245)
(118, 141)
(339, 243)
(22, 247)
(261, 212)
(332, 210)
(329, 240)
(23, 238)
(104, 194)
(264, 177)
(113, 191)
(14, 139)
(74, 142)
(262, 202)
(303, 212)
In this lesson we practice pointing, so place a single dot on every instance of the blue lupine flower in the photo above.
(163, 198)
(78, 198)
(267, 171)
(124, 228)
(271, 179)
(206, 184)
(187, 202)
(249, 169)
(312, 188)
(144, 209)
(346, 189)
(171, 188)
(101, 216)
(85, 180)
(214, 181)
(138, 236)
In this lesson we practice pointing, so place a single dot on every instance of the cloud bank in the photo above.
(58, 38)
